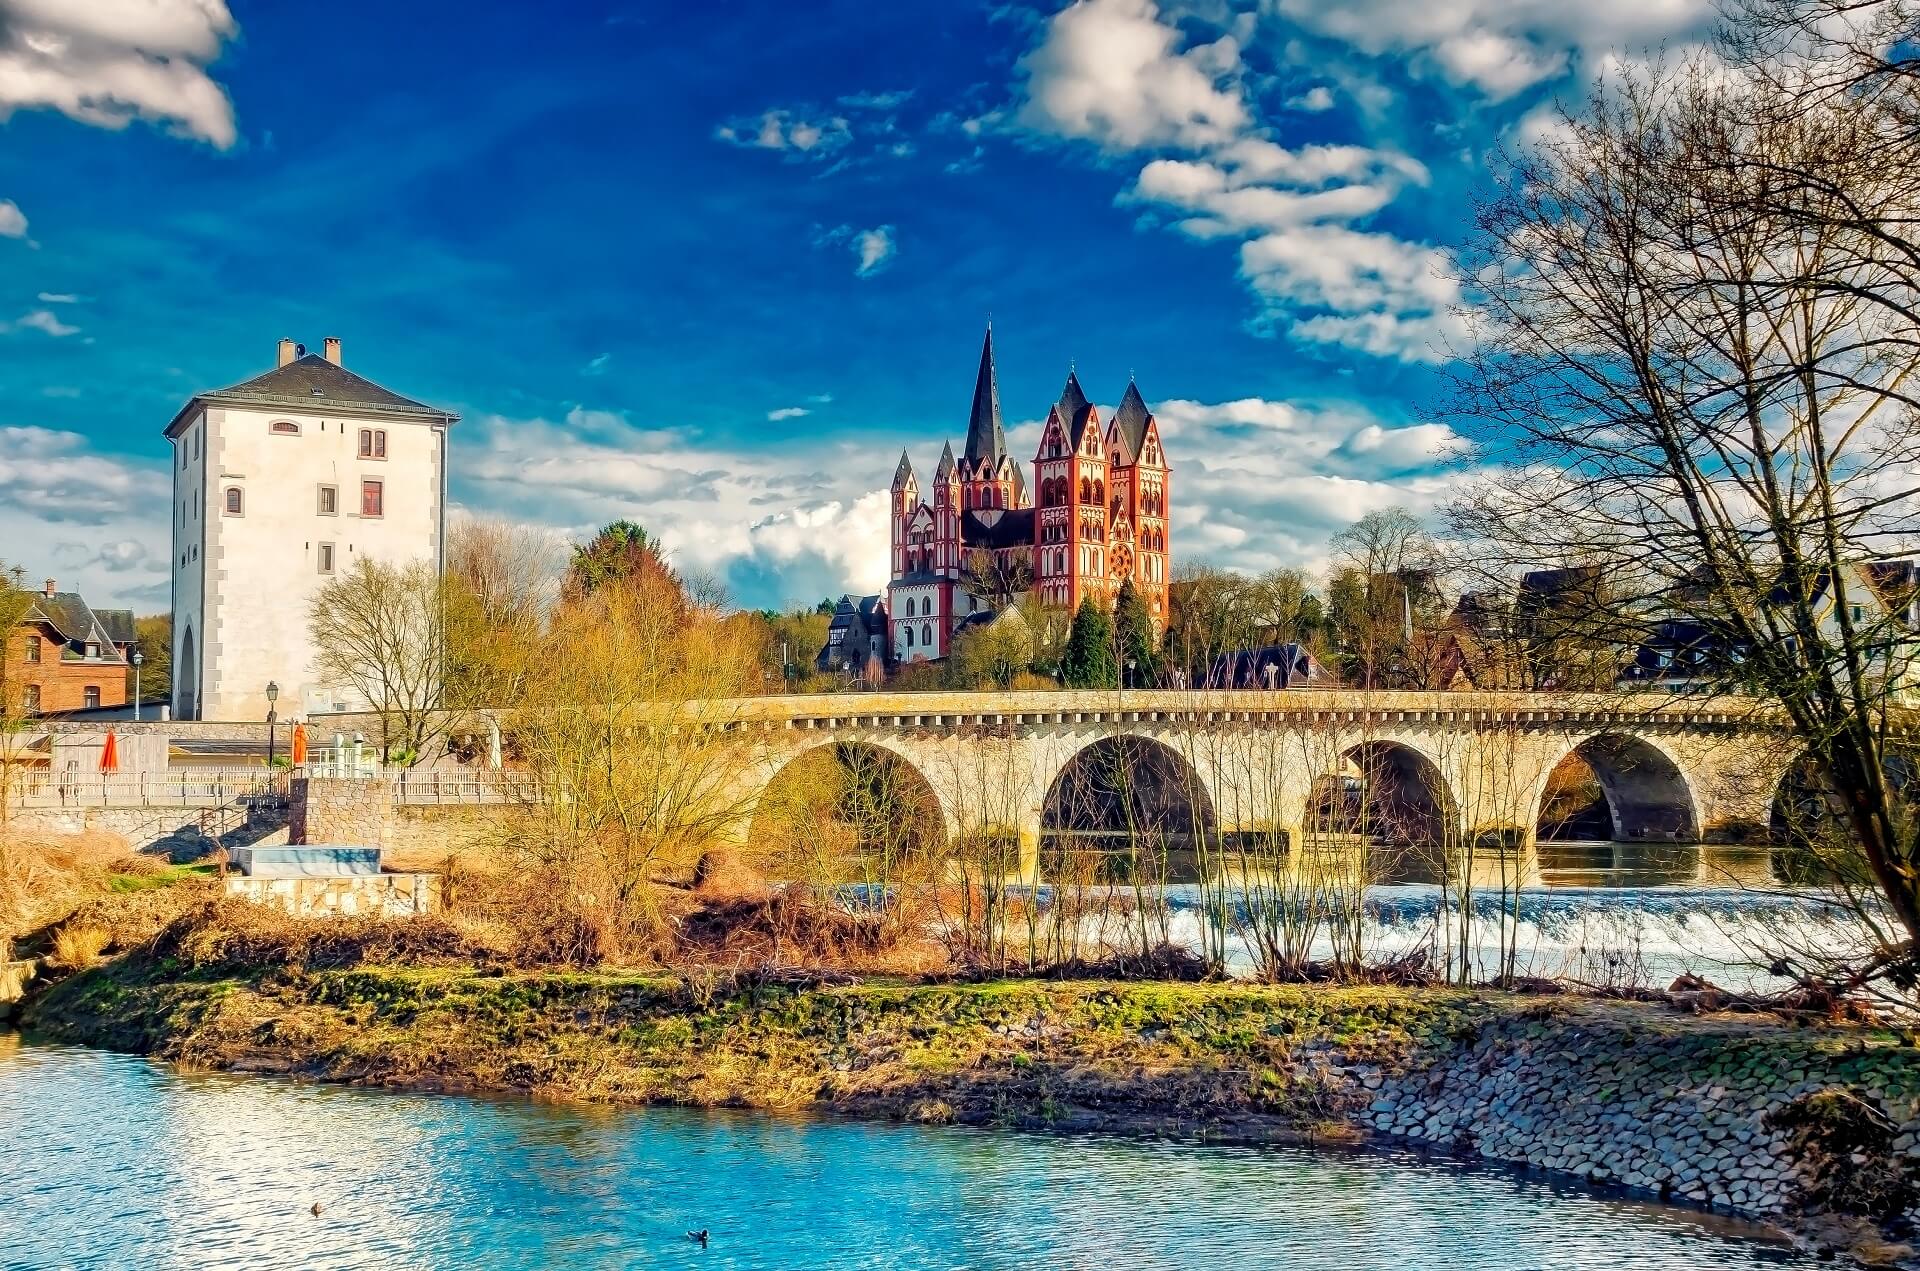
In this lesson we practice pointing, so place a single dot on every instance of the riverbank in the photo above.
(1814, 1129)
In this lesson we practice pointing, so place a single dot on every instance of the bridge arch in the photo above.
(1386, 790)
(847, 811)
(1128, 798)
(1620, 787)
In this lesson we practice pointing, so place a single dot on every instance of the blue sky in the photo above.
(712, 266)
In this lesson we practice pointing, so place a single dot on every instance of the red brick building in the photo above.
(67, 656)
(1094, 515)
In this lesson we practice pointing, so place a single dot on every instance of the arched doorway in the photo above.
(848, 813)
(1617, 811)
(186, 679)
(1129, 808)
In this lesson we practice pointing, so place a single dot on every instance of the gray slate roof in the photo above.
(312, 383)
(1075, 410)
(79, 624)
(1131, 421)
(986, 438)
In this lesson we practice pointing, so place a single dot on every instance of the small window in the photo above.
(30, 697)
(33, 649)
(909, 639)
(196, 443)
(373, 443)
(926, 633)
(329, 500)
(326, 558)
(92, 693)
(371, 500)
(284, 428)
(236, 500)
(93, 650)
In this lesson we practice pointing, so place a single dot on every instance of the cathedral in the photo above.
(1093, 515)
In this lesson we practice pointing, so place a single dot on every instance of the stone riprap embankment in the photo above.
(1737, 1114)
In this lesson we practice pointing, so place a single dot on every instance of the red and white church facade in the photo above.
(1094, 514)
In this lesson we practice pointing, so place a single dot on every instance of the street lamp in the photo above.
(1130, 683)
(273, 695)
(138, 658)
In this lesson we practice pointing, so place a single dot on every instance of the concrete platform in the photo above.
(306, 860)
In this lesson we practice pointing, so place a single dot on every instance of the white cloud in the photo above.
(785, 130)
(58, 298)
(1498, 46)
(597, 365)
(13, 222)
(1115, 73)
(1313, 101)
(83, 517)
(787, 412)
(44, 320)
(873, 249)
(758, 519)
(1109, 71)
(109, 62)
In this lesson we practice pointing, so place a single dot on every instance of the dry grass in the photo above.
(44, 878)
(78, 945)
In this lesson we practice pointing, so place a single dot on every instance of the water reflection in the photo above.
(111, 1161)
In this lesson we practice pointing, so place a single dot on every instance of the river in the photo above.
(111, 1161)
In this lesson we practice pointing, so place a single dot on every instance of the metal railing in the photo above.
(178, 788)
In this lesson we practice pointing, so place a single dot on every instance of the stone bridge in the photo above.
(1456, 767)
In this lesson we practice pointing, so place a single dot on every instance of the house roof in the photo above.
(77, 623)
(309, 383)
(986, 438)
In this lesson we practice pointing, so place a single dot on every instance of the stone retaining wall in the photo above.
(1708, 1116)
(382, 895)
(156, 829)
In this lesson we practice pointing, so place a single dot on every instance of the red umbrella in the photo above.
(110, 754)
(299, 744)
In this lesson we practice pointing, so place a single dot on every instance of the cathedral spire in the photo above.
(944, 473)
(986, 439)
(1131, 420)
(903, 475)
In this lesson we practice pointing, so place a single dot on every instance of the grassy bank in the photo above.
(1253, 1061)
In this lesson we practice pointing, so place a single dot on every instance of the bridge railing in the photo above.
(441, 787)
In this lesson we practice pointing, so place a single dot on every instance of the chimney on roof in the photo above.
(286, 353)
(50, 587)
(333, 349)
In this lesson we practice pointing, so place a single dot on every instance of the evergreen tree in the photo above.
(1089, 660)
(1133, 627)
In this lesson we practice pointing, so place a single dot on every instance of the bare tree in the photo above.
(15, 604)
(997, 579)
(1697, 341)
(403, 640)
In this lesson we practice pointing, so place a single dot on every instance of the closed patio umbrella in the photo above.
(110, 754)
(299, 745)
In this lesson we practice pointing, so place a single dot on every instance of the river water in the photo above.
(112, 1161)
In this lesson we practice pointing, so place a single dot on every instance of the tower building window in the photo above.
(236, 501)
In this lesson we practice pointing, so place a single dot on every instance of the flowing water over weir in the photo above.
(110, 1161)
(1608, 915)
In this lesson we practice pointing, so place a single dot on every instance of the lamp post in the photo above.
(1130, 665)
(138, 658)
(273, 695)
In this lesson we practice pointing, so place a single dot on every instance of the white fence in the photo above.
(432, 787)
(179, 788)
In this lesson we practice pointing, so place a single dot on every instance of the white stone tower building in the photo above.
(281, 483)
